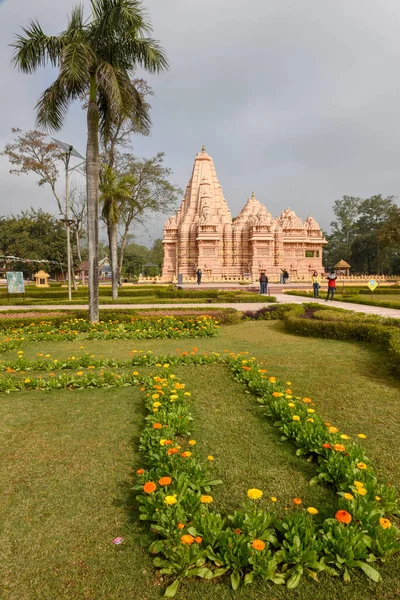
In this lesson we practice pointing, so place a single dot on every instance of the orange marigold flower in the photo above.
(167, 442)
(172, 451)
(339, 447)
(258, 545)
(326, 445)
(186, 454)
(343, 517)
(149, 487)
(187, 539)
(272, 379)
(246, 368)
(157, 426)
(198, 539)
(140, 471)
(385, 523)
(307, 400)
(181, 525)
(237, 531)
(333, 429)
(165, 481)
(327, 424)
(297, 501)
(277, 394)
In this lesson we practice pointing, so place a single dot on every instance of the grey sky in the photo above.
(296, 100)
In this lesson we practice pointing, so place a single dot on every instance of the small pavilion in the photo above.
(42, 279)
(342, 268)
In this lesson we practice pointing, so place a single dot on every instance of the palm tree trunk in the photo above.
(113, 244)
(92, 191)
(124, 240)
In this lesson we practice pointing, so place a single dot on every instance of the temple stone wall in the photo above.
(203, 234)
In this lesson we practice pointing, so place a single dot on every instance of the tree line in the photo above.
(366, 234)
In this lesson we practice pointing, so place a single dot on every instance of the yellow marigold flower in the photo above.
(358, 483)
(288, 383)
(166, 365)
(254, 494)
(378, 498)
(192, 442)
(274, 499)
(155, 396)
(209, 457)
(291, 404)
(186, 394)
(348, 496)
(362, 491)
(173, 398)
(170, 500)
(310, 411)
(385, 523)
(27, 381)
(172, 376)
(206, 499)
(80, 373)
(344, 437)
(288, 397)
(361, 466)
(156, 404)
(162, 442)
(362, 436)
(310, 420)
(295, 418)
(135, 373)
(272, 379)
(333, 429)
(312, 511)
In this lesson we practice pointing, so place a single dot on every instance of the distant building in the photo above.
(204, 235)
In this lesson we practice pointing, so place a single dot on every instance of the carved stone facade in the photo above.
(203, 234)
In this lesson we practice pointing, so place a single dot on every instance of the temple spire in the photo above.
(203, 148)
(252, 195)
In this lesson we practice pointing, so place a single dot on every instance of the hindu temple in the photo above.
(204, 235)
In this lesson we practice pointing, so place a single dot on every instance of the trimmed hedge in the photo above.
(332, 324)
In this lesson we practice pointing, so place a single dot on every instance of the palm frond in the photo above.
(77, 59)
(35, 49)
(145, 52)
(52, 106)
(119, 15)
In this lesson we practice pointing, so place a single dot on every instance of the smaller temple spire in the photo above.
(203, 148)
(252, 195)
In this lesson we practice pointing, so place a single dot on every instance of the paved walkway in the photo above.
(242, 306)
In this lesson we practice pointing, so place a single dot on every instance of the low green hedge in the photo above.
(332, 324)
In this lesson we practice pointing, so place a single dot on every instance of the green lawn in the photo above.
(68, 460)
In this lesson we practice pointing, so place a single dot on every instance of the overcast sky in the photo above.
(297, 100)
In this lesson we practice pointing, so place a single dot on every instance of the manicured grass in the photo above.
(68, 459)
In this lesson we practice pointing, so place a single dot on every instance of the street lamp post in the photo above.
(68, 151)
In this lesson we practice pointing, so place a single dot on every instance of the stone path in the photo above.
(242, 306)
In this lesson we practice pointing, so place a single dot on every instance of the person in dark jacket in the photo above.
(199, 273)
(263, 283)
(285, 275)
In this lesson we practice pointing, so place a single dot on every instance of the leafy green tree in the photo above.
(115, 190)
(33, 235)
(152, 193)
(96, 59)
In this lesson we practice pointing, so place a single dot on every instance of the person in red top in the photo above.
(331, 285)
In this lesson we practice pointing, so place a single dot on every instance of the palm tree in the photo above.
(96, 59)
(114, 191)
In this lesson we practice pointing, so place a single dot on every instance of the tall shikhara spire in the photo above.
(203, 235)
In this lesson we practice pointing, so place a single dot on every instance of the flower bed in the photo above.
(136, 328)
(174, 485)
(196, 541)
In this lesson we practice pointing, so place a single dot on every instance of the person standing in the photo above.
(199, 273)
(263, 283)
(331, 285)
(316, 283)
(285, 275)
